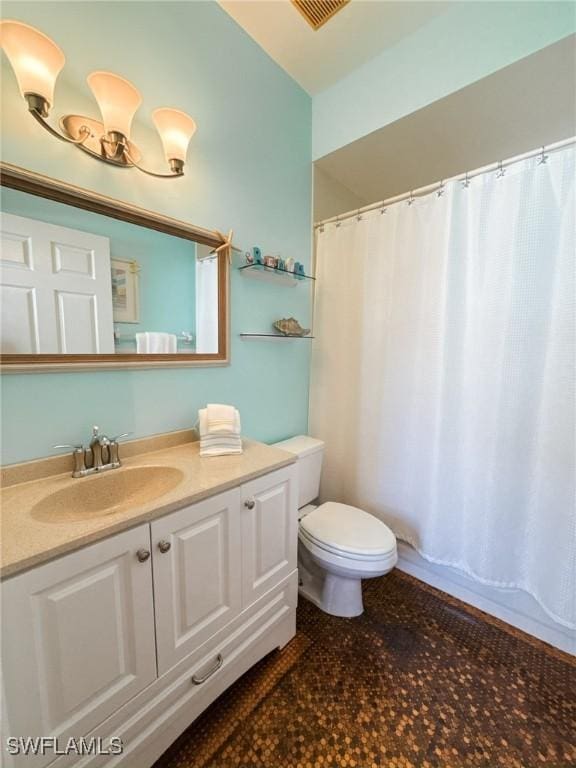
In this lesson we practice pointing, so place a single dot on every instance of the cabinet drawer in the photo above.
(153, 720)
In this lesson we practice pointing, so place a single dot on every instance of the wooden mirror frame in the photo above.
(43, 186)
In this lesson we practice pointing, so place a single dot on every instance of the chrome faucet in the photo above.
(100, 444)
(101, 455)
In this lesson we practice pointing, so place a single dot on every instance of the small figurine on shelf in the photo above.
(289, 264)
(270, 261)
(280, 264)
(249, 258)
(299, 270)
(256, 255)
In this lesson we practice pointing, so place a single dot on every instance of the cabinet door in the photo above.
(269, 531)
(78, 639)
(197, 578)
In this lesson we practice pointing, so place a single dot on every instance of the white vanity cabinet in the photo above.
(77, 639)
(133, 636)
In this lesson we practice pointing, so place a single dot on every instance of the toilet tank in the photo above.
(310, 452)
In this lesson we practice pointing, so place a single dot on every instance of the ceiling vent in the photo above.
(317, 12)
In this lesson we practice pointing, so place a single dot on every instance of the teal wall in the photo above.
(249, 169)
(466, 43)
(167, 277)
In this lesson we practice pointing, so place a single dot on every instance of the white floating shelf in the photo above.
(271, 337)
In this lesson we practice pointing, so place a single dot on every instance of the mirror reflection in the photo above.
(79, 283)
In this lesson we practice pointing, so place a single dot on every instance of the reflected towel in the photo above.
(156, 343)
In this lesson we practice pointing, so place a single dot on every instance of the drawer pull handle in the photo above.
(199, 680)
(143, 555)
(250, 503)
(164, 546)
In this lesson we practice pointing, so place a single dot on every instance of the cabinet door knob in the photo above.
(143, 555)
(164, 546)
(250, 503)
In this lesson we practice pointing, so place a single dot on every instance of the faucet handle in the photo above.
(79, 456)
(114, 454)
(119, 437)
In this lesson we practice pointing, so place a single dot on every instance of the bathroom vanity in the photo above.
(127, 617)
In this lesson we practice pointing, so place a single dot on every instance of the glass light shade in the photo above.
(176, 129)
(118, 101)
(35, 59)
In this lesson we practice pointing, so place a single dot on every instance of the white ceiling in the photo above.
(357, 33)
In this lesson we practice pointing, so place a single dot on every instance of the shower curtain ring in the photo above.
(501, 170)
(543, 157)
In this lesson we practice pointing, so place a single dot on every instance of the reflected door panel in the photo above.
(54, 289)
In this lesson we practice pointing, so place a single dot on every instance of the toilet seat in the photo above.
(348, 532)
(325, 552)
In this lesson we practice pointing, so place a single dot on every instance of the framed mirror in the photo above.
(88, 282)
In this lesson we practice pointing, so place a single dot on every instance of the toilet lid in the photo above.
(348, 529)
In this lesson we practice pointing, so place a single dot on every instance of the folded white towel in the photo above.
(205, 427)
(232, 440)
(220, 443)
(222, 418)
(156, 343)
(220, 451)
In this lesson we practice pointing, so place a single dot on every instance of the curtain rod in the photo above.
(421, 191)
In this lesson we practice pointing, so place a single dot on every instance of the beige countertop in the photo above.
(30, 536)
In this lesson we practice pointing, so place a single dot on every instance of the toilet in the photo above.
(338, 545)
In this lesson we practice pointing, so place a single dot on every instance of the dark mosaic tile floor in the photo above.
(418, 681)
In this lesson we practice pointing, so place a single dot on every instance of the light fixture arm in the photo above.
(177, 167)
(38, 108)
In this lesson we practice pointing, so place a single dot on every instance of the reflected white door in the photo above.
(55, 289)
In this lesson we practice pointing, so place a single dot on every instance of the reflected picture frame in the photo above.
(125, 290)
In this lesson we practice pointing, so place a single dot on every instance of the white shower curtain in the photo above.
(443, 375)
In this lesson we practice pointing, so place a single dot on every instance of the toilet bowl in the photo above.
(338, 545)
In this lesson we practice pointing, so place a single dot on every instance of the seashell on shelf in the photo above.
(289, 326)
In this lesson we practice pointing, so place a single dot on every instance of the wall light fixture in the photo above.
(37, 62)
